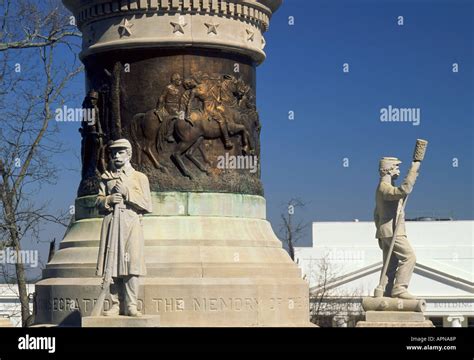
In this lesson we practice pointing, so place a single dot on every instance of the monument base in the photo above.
(212, 260)
(406, 324)
(121, 321)
(394, 319)
(394, 316)
(393, 304)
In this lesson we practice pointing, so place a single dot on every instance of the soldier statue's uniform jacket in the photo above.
(130, 254)
(387, 198)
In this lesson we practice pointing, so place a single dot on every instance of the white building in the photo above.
(444, 273)
(10, 303)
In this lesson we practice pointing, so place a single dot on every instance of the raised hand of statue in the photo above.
(415, 166)
(120, 188)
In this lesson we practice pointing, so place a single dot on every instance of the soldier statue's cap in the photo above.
(389, 161)
(93, 94)
(121, 143)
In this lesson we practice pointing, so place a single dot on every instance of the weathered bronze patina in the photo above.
(181, 111)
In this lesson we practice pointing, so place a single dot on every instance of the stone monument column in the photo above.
(177, 79)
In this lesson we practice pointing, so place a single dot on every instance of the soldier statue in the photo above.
(170, 97)
(124, 196)
(389, 200)
(93, 138)
(212, 107)
(189, 85)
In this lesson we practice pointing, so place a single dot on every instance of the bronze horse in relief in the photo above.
(218, 97)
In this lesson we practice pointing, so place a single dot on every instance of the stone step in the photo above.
(394, 316)
(121, 321)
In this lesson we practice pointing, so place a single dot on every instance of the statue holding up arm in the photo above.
(398, 256)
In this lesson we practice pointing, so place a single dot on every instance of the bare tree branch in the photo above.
(326, 300)
(38, 28)
(36, 33)
(289, 231)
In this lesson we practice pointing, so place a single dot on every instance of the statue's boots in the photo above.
(170, 132)
(131, 288)
(113, 311)
(225, 133)
(403, 294)
(116, 296)
(133, 311)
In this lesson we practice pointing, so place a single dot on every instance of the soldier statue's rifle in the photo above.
(418, 155)
(109, 259)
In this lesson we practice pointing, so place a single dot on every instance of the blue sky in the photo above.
(337, 114)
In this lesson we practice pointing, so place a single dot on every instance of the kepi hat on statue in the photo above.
(388, 162)
(93, 94)
(121, 143)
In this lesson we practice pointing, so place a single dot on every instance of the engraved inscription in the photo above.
(224, 304)
(291, 303)
(168, 304)
(68, 304)
(65, 304)
(211, 304)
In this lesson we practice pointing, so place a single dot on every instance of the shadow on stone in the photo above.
(72, 320)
